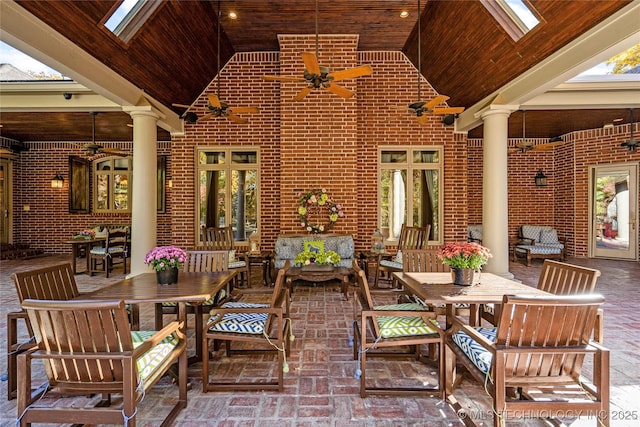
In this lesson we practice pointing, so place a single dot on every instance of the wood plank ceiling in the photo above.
(465, 52)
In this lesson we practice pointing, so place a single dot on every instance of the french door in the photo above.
(5, 201)
(614, 205)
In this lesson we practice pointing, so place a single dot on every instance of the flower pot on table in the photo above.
(168, 276)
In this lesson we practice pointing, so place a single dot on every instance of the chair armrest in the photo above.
(173, 327)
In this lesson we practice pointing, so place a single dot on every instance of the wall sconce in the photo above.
(377, 243)
(254, 242)
(57, 181)
(540, 179)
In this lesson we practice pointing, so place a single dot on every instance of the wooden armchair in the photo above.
(258, 324)
(221, 239)
(198, 261)
(410, 238)
(116, 247)
(560, 278)
(383, 331)
(538, 349)
(87, 347)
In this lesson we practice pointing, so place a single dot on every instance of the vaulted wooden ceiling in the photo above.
(465, 52)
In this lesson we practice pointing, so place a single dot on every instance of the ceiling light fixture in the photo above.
(233, 15)
(404, 14)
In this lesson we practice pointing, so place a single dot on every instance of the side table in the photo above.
(262, 258)
(370, 256)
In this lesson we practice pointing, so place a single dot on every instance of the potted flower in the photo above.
(86, 234)
(464, 259)
(166, 260)
(322, 260)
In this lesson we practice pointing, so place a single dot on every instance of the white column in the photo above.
(144, 201)
(495, 201)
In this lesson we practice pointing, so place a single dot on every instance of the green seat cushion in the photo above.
(156, 355)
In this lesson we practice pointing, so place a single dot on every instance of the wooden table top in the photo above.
(437, 288)
(80, 241)
(143, 288)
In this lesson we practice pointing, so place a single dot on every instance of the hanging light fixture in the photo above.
(57, 181)
(540, 179)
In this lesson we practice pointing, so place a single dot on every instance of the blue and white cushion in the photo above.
(158, 353)
(474, 351)
(102, 250)
(548, 249)
(244, 323)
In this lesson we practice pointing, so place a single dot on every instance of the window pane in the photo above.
(394, 156)
(211, 158)
(249, 157)
(212, 198)
(104, 165)
(102, 192)
(393, 202)
(121, 192)
(425, 200)
(244, 202)
(425, 157)
(121, 164)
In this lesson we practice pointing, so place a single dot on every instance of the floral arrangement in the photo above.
(312, 204)
(323, 258)
(464, 255)
(163, 257)
(86, 234)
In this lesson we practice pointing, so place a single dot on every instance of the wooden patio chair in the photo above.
(395, 331)
(198, 261)
(221, 239)
(537, 349)
(260, 325)
(560, 278)
(116, 247)
(56, 282)
(410, 238)
(87, 347)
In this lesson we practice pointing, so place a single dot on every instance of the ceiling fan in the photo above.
(525, 145)
(318, 77)
(216, 107)
(421, 108)
(631, 143)
(94, 148)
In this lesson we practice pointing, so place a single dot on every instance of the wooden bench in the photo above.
(538, 241)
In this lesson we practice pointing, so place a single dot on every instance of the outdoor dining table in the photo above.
(193, 288)
(487, 288)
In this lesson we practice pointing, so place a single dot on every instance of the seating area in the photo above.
(287, 247)
(538, 242)
(320, 386)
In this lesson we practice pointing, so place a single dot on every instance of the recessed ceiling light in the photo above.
(233, 15)
(404, 14)
(618, 120)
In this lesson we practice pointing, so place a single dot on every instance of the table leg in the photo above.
(74, 252)
(87, 249)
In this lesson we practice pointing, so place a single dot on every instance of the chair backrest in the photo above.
(217, 238)
(279, 289)
(117, 239)
(538, 323)
(49, 283)
(423, 261)
(364, 296)
(93, 335)
(566, 279)
(206, 261)
(413, 237)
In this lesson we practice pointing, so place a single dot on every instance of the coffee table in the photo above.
(320, 275)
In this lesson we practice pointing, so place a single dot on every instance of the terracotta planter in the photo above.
(168, 276)
(462, 276)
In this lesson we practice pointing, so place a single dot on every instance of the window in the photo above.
(228, 190)
(129, 17)
(410, 190)
(112, 179)
(517, 17)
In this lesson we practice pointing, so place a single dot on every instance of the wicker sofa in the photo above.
(538, 241)
(287, 247)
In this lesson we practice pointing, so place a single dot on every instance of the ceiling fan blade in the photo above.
(363, 70)
(304, 92)
(236, 119)
(181, 105)
(284, 78)
(340, 91)
(311, 62)
(435, 101)
(448, 110)
(205, 117)
(423, 119)
(215, 101)
(244, 109)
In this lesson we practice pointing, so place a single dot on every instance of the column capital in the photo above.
(497, 109)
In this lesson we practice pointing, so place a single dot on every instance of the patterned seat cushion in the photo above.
(489, 308)
(245, 323)
(409, 306)
(237, 264)
(102, 251)
(474, 351)
(547, 249)
(404, 326)
(393, 264)
(156, 355)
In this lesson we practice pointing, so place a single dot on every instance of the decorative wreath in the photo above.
(313, 206)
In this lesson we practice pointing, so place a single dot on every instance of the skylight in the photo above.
(514, 16)
(129, 17)
(520, 13)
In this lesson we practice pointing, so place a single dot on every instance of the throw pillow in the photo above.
(316, 246)
(232, 256)
(549, 236)
(398, 257)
